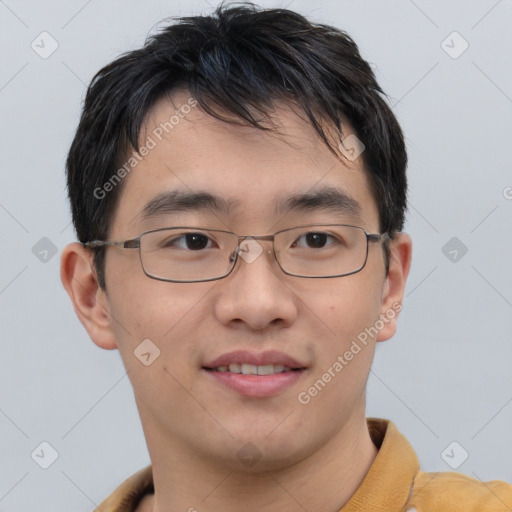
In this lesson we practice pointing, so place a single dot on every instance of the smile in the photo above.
(253, 369)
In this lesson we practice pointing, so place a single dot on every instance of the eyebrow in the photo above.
(177, 201)
(327, 198)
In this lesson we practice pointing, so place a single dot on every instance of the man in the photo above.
(238, 189)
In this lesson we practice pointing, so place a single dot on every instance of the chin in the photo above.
(255, 458)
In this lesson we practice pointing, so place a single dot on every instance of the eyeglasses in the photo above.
(194, 254)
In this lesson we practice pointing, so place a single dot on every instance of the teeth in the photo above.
(252, 369)
(235, 368)
(266, 369)
(249, 369)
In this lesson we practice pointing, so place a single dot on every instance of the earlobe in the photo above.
(394, 285)
(89, 300)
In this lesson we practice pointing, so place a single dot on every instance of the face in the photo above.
(256, 315)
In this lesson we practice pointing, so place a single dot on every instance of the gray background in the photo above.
(446, 376)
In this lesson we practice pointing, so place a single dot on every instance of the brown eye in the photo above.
(314, 240)
(190, 241)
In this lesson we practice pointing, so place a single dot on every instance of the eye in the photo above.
(190, 241)
(314, 240)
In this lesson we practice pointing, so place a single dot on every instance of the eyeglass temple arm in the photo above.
(123, 244)
(378, 238)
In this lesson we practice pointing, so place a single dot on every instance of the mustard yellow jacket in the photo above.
(394, 483)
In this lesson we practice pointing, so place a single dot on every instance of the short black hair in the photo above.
(240, 61)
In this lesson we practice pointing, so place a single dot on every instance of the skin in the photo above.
(314, 456)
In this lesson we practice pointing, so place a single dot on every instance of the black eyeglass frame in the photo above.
(134, 243)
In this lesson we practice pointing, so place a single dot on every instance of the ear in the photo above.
(393, 289)
(89, 300)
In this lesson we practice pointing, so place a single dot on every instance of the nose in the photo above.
(256, 294)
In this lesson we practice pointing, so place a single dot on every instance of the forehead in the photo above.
(252, 175)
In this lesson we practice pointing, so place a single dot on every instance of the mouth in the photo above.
(253, 369)
(255, 375)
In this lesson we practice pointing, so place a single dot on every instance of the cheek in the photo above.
(165, 313)
(348, 307)
(156, 329)
(348, 311)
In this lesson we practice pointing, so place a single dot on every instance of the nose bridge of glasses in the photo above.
(255, 237)
(249, 247)
(247, 242)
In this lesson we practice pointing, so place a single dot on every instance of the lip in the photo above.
(263, 358)
(256, 386)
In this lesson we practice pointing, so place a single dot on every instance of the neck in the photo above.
(323, 481)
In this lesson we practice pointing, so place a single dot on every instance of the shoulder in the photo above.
(128, 495)
(454, 492)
